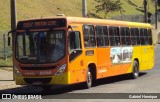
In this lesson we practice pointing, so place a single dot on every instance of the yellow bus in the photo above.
(68, 50)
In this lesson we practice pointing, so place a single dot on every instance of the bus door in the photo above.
(76, 67)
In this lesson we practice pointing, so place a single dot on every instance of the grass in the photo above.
(27, 9)
(6, 68)
(7, 62)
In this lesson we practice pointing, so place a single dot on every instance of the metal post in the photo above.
(156, 5)
(13, 25)
(145, 11)
(13, 14)
(4, 41)
(84, 8)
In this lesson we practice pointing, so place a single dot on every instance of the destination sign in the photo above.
(41, 24)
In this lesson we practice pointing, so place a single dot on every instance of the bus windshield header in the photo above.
(41, 24)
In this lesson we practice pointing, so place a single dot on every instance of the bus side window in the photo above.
(142, 36)
(100, 37)
(135, 36)
(150, 36)
(128, 37)
(74, 45)
(123, 34)
(146, 41)
(105, 32)
(117, 36)
(89, 36)
(74, 41)
(111, 36)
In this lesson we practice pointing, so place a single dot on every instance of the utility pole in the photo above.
(13, 25)
(84, 8)
(156, 5)
(13, 14)
(145, 11)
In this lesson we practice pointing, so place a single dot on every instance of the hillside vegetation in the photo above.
(27, 9)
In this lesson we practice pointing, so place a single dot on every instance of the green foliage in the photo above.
(107, 6)
(28, 9)
(158, 1)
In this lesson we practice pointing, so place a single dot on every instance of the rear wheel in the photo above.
(135, 72)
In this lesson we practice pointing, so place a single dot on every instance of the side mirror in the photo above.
(9, 41)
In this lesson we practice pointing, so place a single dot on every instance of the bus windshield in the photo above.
(40, 46)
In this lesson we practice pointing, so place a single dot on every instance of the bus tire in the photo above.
(135, 72)
(89, 79)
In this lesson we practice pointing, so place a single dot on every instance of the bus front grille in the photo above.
(38, 68)
(34, 80)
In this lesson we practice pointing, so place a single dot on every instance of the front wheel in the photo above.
(89, 79)
(135, 72)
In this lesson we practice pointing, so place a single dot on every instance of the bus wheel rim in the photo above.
(136, 70)
(89, 77)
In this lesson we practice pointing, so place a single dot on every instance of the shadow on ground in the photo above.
(60, 90)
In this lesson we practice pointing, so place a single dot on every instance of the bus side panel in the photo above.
(151, 57)
(136, 54)
(121, 60)
(106, 68)
(147, 58)
(144, 57)
(103, 62)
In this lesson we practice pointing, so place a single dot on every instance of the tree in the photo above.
(107, 6)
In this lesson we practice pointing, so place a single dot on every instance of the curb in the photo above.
(9, 86)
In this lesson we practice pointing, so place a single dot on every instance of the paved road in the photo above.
(148, 82)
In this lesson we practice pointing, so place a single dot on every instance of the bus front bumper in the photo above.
(62, 79)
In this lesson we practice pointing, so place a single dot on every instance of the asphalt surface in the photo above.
(148, 82)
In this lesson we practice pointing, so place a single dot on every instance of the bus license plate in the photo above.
(37, 83)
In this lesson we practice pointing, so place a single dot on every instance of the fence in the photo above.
(5, 51)
(135, 18)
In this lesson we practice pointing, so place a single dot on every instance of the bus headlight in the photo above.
(61, 69)
(17, 71)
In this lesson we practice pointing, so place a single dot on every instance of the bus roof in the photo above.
(107, 22)
(96, 21)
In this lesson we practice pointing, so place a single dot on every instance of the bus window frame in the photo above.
(104, 36)
(114, 36)
(149, 30)
(138, 41)
(93, 35)
(74, 52)
(125, 36)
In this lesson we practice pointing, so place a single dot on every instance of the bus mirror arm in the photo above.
(70, 27)
(9, 38)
